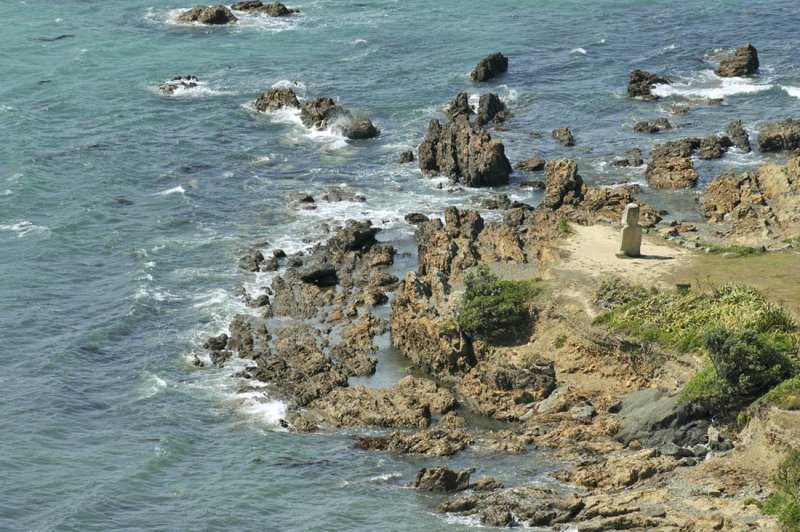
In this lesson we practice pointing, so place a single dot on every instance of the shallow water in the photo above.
(123, 213)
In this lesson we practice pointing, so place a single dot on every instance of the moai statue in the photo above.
(630, 237)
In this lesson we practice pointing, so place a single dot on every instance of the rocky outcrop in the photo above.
(491, 110)
(534, 164)
(758, 206)
(275, 99)
(738, 136)
(214, 15)
(361, 127)
(177, 83)
(275, 9)
(640, 84)
(322, 113)
(609, 203)
(633, 157)
(459, 106)
(779, 136)
(465, 153)
(671, 166)
(564, 136)
(438, 441)
(563, 184)
(743, 63)
(654, 126)
(441, 479)
(489, 67)
(406, 157)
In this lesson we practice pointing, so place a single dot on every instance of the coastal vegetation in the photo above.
(785, 502)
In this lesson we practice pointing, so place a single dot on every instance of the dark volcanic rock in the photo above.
(640, 83)
(441, 479)
(275, 9)
(744, 62)
(322, 113)
(406, 157)
(489, 67)
(178, 82)
(251, 260)
(459, 107)
(274, 99)
(779, 136)
(491, 110)
(653, 126)
(534, 164)
(360, 127)
(713, 147)
(738, 136)
(563, 184)
(564, 136)
(208, 15)
(465, 153)
(320, 274)
(416, 218)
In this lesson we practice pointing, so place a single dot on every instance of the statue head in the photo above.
(630, 216)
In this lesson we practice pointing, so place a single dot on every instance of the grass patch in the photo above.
(496, 311)
(560, 341)
(739, 250)
(563, 226)
(786, 395)
(785, 502)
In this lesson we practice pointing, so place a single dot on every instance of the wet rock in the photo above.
(176, 83)
(713, 147)
(640, 84)
(743, 63)
(269, 265)
(491, 110)
(275, 9)
(251, 260)
(564, 136)
(361, 127)
(320, 274)
(437, 441)
(534, 164)
(465, 153)
(633, 157)
(279, 254)
(487, 484)
(323, 113)
(738, 136)
(653, 126)
(563, 184)
(500, 202)
(406, 157)
(489, 67)
(459, 107)
(275, 99)
(779, 136)
(216, 343)
(214, 15)
(442, 479)
(416, 218)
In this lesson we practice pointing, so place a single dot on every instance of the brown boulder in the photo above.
(743, 63)
(441, 479)
(214, 15)
(535, 164)
(640, 83)
(489, 67)
(491, 110)
(779, 136)
(671, 165)
(275, 99)
(563, 184)
(322, 113)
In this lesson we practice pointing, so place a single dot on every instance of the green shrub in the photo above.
(560, 342)
(563, 226)
(494, 310)
(786, 395)
(785, 503)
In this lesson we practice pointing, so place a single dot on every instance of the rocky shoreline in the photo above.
(637, 457)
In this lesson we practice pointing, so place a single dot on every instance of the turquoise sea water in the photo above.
(123, 213)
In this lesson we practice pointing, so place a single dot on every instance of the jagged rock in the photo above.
(743, 63)
(459, 107)
(323, 113)
(633, 157)
(534, 164)
(216, 343)
(713, 147)
(215, 15)
(178, 82)
(320, 274)
(251, 260)
(640, 83)
(491, 110)
(610, 203)
(489, 67)
(779, 136)
(535, 185)
(416, 218)
(441, 479)
(653, 126)
(465, 153)
(361, 127)
(738, 136)
(406, 157)
(275, 9)
(563, 184)
(564, 136)
(438, 441)
(671, 165)
(275, 99)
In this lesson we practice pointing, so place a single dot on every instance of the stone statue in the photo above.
(630, 237)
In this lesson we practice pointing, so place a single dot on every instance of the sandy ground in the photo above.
(590, 252)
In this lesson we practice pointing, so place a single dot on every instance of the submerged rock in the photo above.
(564, 136)
(743, 63)
(654, 126)
(489, 67)
(633, 157)
(179, 82)
(739, 136)
(779, 136)
(275, 9)
(640, 84)
(275, 99)
(214, 15)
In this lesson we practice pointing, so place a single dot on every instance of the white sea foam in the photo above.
(293, 84)
(175, 190)
(260, 406)
(6, 193)
(670, 47)
(794, 92)
(262, 161)
(153, 385)
(4, 108)
(581, 51)
(358, 42)
(385, 477)
(711, 86)
(24, 228)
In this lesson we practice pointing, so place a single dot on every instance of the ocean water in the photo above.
(123, 213)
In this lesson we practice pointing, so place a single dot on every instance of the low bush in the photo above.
(493, 310)
(785, 502)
